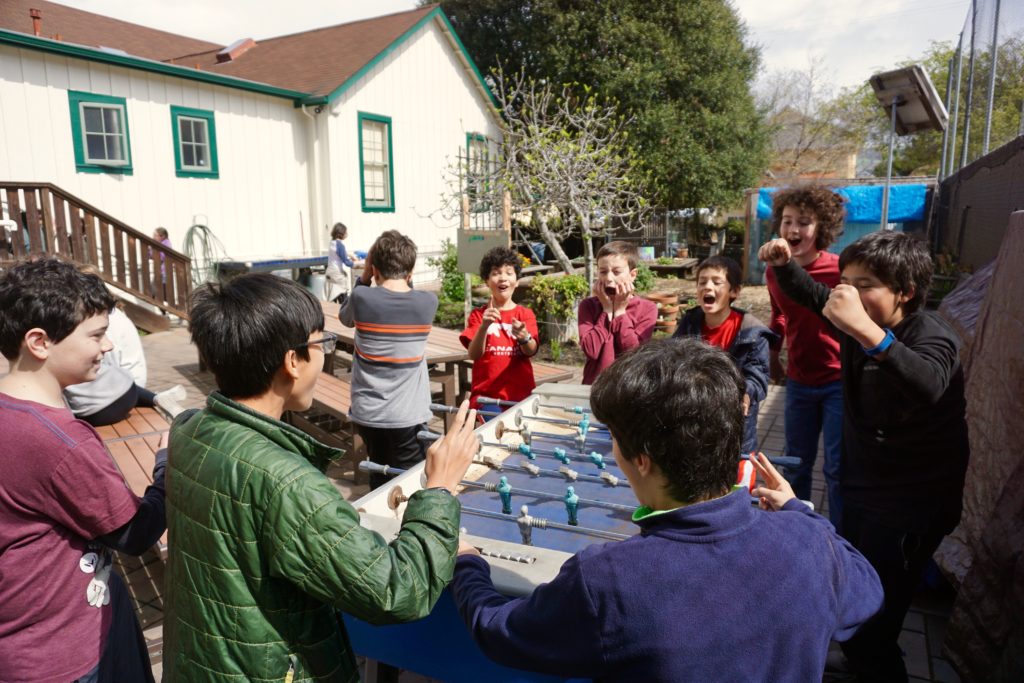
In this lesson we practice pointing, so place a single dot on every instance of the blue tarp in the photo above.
(864, 203)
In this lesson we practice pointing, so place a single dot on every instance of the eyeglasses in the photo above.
(327, 343)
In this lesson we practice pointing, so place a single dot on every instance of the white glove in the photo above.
(97, 593)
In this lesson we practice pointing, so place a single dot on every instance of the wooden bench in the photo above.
(542, 374)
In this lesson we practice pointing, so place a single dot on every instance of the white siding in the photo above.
(433, 102)
(257, 207)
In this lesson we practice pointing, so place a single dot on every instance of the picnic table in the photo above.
(535, 270)
(680, 267)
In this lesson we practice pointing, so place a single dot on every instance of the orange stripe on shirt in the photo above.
(386, 359)
(401, 329)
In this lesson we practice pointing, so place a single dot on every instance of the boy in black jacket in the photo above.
(905, 445)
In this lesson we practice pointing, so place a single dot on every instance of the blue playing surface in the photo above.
(552, 510)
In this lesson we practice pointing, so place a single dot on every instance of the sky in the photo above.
(846, 40)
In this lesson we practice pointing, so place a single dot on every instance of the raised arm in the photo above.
(313, 538)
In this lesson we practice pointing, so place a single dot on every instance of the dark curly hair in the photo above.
(48, 293)
(825, 205)
(900, 261)
(498, 257)
(680, 402)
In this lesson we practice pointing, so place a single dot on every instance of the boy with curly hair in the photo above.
(809, 219)
(905, 445)
(501, 336)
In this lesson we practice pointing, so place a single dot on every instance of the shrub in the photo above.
(644, 278)
(452, 281)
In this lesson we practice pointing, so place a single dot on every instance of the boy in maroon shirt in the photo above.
(64, 615)
(809, 218)
(614, 320)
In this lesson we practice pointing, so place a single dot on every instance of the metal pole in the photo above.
(993, 61)
(888, 174)
(970, 87)
(956, 103)
(945, 131)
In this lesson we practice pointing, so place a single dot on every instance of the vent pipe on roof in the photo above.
(37, 21)
(235, 50)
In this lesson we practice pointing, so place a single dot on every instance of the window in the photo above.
(195, 143)
(99, 131)
(477, 170)
(376, 176)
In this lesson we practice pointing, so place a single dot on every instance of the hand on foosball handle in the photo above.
(449, 457)
(776, 491)
(467, 548)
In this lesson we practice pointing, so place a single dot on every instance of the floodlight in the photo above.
(913, 105)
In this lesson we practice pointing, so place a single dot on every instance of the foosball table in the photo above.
(543, 486)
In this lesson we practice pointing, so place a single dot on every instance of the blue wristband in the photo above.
(883, 345)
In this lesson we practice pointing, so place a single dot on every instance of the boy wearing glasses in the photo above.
(263, 549)
(390, 385)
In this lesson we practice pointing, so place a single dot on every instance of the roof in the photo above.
(86, 28)
(317, 61)
(312, 67)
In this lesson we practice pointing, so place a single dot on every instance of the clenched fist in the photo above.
(775, 253)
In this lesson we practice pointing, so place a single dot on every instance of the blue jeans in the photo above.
(810, 411)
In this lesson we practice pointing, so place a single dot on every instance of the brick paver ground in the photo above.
(172, 360)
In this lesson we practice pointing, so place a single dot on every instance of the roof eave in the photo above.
(30, 42)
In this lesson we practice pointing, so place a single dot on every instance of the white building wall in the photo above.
(259, 206)
(433, 102)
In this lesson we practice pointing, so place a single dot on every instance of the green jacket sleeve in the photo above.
(313, 539)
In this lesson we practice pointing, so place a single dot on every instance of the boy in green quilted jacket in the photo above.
(263, 549)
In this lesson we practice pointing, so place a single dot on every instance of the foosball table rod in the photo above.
(387, 470)
(564, 471)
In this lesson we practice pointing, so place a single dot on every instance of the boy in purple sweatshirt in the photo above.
(712, 588)
(614, 320)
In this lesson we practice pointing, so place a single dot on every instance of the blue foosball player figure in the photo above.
(572, 505)
(505, 491)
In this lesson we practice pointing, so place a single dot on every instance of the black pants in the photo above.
(119, 409)
(899, 557)
(397, 447)
(125, 658)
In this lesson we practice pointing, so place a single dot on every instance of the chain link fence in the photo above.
(985, 104)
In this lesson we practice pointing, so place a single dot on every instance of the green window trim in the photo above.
(388, 206)
(77, 102)
(193, 116)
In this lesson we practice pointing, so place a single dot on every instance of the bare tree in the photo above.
(813, 132)
(565, 150)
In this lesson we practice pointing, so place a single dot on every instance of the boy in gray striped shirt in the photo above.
(390, 386)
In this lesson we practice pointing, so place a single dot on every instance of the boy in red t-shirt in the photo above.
(65, 614)
(810, 219)
(733, 330)
(614, 320)
(501, 336)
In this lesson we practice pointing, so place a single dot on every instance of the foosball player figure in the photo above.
(505, 491)
(525, 525)
(674, 408)
(572, 505)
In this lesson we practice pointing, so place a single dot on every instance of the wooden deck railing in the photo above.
(41, 218)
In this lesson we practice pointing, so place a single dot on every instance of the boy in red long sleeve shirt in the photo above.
(809, 219)
(614, 320)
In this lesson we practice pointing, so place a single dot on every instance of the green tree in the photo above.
(678, 68)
